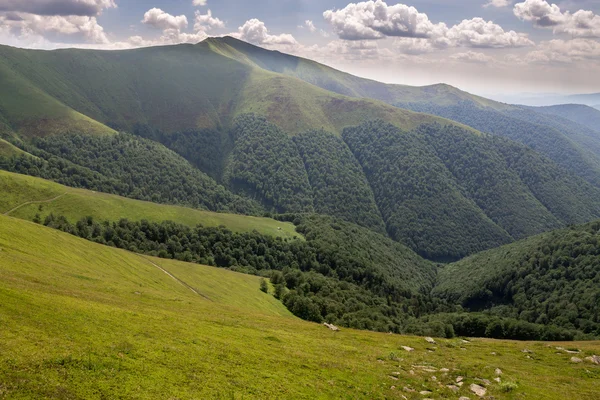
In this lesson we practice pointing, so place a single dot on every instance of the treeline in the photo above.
(339, 185)
(336, 275)
(129, 166)
(316, 279)
(265, 165)
(551, 279)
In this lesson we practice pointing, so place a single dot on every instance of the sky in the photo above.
(488, 47)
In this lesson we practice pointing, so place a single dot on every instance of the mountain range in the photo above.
(385, 184)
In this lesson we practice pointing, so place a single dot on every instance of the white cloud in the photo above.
(206, 22)
(57, 7)
(159, 19)
(376, 20)
(30, 25)
(565, 51)
(199, 3)
(308, 24)
(544, 15)
(413, 45)
(255, 31)
(372, 20)
(477, 32)
(498, 3)
(472, 57)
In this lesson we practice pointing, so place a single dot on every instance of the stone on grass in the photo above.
(478, 390)
(424, 392)
(407, 348)
(576, 360)
(497, 379)
(594, 359)
(498, 371)
(459, 378)
(430, 340)
(454, 388)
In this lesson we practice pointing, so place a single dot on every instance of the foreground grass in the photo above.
(75, 204)
(80, 320)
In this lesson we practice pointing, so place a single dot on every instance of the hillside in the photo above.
(522, 124)
(581, 114)
(84, 320)
(551, 279)
(75, 204)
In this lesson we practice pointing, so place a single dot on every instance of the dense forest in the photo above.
(129, 166)
(266, 166)
(553, 278)
(523, 127)
(418, 198)
(339, 186)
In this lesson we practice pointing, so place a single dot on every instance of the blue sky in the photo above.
(484, 46)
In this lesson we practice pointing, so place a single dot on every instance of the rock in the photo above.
(493, 353)
(433, 378)
(528, 357)
(454, 388)
(460, 384)
(430, 340)
(393, 387)
(497, 379)
(478, 390)
(430, 370)
(380, 361)
(526, 351)
(412, 372)
(594, 359)
(396, 373)
(408, 348)
(498, 371)
(407, 389)
(331, 326)
(572, 351)
(424, 392)
(462, 348)
(464, 398)
(464, 341)
(459, 378)
(393, 377)
(576, 360)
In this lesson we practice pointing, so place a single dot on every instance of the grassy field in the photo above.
(81, 320)
(79, 203)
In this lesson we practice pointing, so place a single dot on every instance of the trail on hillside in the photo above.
(182, 283)
(35, 202)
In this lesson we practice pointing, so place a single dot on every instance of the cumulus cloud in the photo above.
(162, 20)
(498, 3)
(57, 7)
(477, 32)
(206, 22)
(30, 25)
(472, 57)
(565, 51)
(199, 3)
(544, 15)
(413, 46)
(255, 31)
(374, 19)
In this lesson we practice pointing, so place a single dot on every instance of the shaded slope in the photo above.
(581, 114)
(551, 279)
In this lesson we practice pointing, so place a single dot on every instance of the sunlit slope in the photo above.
(75, 204)
(171, 89)
(80, 320)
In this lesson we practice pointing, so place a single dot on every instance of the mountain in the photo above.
(514, 122)
(226, 126)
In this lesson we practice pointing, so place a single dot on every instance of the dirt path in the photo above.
(182, 283)
(35, 202)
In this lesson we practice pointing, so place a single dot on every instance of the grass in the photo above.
(75, 204)
(80, 320)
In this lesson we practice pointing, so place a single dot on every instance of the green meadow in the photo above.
(82, 320)
(75, 204)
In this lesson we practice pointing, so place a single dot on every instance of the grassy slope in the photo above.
(206, 87)
(80, 320)
(587, 116)
(78, 203)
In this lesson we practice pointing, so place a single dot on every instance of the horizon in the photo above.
(497, 48)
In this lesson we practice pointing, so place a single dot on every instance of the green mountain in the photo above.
(581, 114)
(563, 143)
(227, 126)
